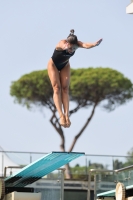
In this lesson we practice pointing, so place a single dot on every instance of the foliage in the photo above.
(33, 88)
(88, 86)
(129, 159)
(100, 84)
(117, 164)
(81, 172)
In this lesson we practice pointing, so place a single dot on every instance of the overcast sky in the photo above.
(29, 31)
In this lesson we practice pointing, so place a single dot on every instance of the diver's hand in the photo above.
(98, 42)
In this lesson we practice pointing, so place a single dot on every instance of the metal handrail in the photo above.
(100, 170)
(116, 170)
(124, 169)
(34, 152)
(11, 167)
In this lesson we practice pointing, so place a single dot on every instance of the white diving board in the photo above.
(129, 8)
(40, 168)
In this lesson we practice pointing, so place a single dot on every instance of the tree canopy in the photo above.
(100, 84)
(88, 86)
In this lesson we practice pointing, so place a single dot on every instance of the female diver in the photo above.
(59, 73)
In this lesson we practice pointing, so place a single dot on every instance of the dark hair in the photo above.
(72, 39)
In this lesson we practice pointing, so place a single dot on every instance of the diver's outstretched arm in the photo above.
(87, 45)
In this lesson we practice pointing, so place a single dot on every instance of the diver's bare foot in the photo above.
(63, 121)
(68, 123)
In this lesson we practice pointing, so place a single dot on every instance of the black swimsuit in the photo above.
(61, 58)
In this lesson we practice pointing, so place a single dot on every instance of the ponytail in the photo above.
(72, 39)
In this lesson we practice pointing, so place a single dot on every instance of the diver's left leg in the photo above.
(65, 81)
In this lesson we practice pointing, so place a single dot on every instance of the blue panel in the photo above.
(40, 168)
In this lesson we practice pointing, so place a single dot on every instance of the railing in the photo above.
(109, 178)
(17, 158)
(11, 168)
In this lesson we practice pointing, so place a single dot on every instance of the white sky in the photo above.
(29, 31)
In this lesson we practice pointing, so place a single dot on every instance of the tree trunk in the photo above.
(68, 172)
(81, 131)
